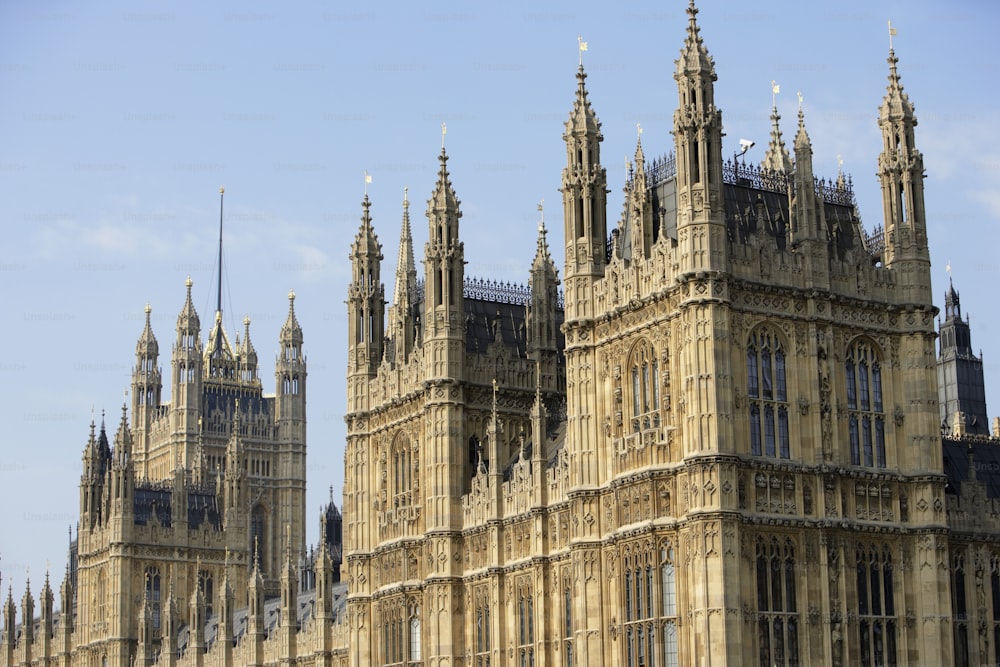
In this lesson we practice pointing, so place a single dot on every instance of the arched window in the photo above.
(400, 471)
(644, 378)
(153, 596)
(866, 412)
(415, 633)
(481, 601)
(207, 590)
(258, 536)
(767, 395)
(777, 609)
(876, 606)
(525, 626)
(668, 604)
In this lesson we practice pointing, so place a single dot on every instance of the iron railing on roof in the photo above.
(496, 291)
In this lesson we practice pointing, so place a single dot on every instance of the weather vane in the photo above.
(800, 100)
(368, 179)
(541, 211)
(444, 131)
(892, 33)
(775, 89)
(583, 47)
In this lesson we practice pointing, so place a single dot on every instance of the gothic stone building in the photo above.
(720, 445)
(723, 448)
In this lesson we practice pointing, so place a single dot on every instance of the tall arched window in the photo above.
(668, 605)
(415, 633)
(481, 600)
(525, 625)
(767, 395)
(644, 378)
(777, 610)
(876, 606)
(400, 471)
(866, 412)
(258, 536)
(153, 596)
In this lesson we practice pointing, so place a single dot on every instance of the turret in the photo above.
(366, 299)
(235, 484)
(185, 396)
(122, 473)
(403, 315)
(147, 387)
(584, 194)
(805, 216)
(168, 641)
(247, 356)
(9, 626)
(543, 328)
(637, 226)
(961, 384)
(27, 638)
(224, 635)
(196, 627)
(289, 596)
(65, 642)
(144, 641)
(45, 626)
(96, 462)
(701, 225)
(290, 375)
(777, 157)
(290, 423)
(901, 174)
(444, 272)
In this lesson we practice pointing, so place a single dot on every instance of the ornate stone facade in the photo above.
(720, 445)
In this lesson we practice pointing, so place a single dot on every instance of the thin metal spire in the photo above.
(218, 301)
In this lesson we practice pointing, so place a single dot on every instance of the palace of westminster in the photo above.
(729, 434)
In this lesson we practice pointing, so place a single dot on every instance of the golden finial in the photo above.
(638, 129)
(541, 212)
(583, 47)
(406, 197)
(222, 191)
(947, 267)
(800, 99)
(291, 295)
(892, 33)
(148, 309)
(246, 320)
(775, 89)
(368, 179)
(188, 282)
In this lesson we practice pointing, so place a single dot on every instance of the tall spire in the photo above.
(404, 291)
(584, 190)
(444, 259)
(901, 172)
(218, 300)
(698, 146)
(366, 296)
(694, 55)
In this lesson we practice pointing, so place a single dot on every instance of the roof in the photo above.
(985, 457)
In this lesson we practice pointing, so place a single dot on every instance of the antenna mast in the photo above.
(218, 301)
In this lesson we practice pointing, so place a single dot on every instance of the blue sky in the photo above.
(120, 121)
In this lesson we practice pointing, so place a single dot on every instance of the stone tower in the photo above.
(960, 374)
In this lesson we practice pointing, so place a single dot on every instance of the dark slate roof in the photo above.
(150, 499)
(203, 508)
(223, 398)
(986, 458)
